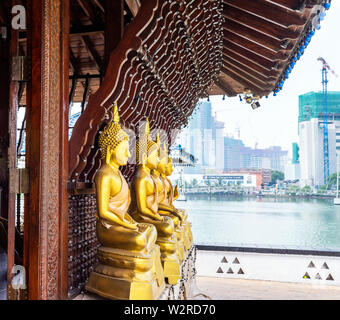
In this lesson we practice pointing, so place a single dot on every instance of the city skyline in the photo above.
(276, 121)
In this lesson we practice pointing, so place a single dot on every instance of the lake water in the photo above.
(264, 221)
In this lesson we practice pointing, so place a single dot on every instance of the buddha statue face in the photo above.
(153, 158)
(119, 155)
(162, 165)
(169, 168)
(114, 143)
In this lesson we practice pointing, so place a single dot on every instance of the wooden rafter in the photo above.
(225, 87)
(134, 6)
(256, 36)
(256, 82)
(100, 5)
(248, 54)
(270, 11)
(291, 4)
(90, 11)
(74, 63)
(244, 81)
(261, 72)
(264, 79)
(114, 26)
(258, 23)
(255, 47)
(254, 66)
(93, 52)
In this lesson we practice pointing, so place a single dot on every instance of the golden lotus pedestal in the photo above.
(125, 275)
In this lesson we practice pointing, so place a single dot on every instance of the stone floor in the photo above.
(239, 289)
(3, 274)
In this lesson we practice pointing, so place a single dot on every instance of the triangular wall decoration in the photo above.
(311, 265)
(329, 277)
(306, 276)
(240, 271)
(219, 270)
(230, 271)
(318, 277)
(236, 261)
(324, 266)
(224, 260)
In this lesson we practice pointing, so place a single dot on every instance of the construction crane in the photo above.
(325, 69)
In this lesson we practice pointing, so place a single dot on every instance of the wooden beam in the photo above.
(74, 63)
(87, 30)
(47, 129)
(227, 54)
(258, 23)
(244, 82)
(225, 87)
(134, 6)
(268, 64)
(269, 11)
(93, 52)
(253, 46)
(100, 5)
(114, 27)
(247, 76)
(261, 72)
(256, 36)
(249, 71)
(90, 11)
(291, 4)
(75, 31)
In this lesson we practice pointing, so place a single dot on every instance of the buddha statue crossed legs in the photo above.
(129, 260)
(144, 207)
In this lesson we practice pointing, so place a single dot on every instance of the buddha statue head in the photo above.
(114, 143)
(163, 156)
(147, 153)
(169, 168)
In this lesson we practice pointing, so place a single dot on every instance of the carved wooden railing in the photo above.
(168, 57)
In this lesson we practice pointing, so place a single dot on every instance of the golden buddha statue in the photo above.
(164, 208)
(129, 260)
(172, 195)
(144, 206)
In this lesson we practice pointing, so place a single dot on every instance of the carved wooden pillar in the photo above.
(47, 149)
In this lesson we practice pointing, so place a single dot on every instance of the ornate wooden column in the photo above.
(47, 149)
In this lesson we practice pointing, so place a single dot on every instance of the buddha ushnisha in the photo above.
(164, 209)
(144, 206)
(129, 260)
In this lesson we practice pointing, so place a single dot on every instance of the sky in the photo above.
(276, 121)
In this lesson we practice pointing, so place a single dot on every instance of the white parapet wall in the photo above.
(312, 269)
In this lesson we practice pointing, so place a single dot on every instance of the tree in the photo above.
(277, 175)
(293, 190)
(306, 190)
(322, 189)
(331, 181)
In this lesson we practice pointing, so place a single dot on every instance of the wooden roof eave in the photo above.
(259, 45)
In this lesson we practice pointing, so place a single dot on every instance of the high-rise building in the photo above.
(311, 151)
(204, 138)
(292, 166)
(237, 156)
